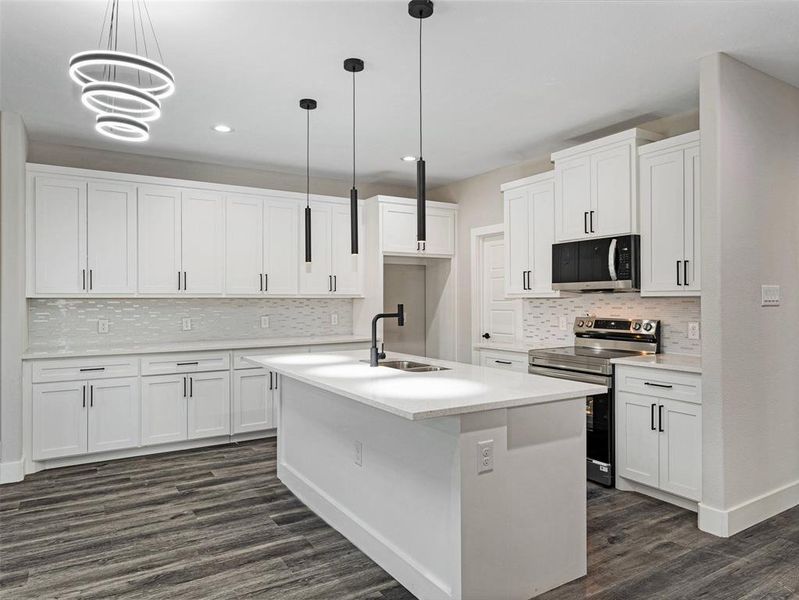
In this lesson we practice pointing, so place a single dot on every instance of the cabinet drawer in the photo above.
(240, 363)
(504, 360)
(660, 383)
(81, 369)
(164, 364)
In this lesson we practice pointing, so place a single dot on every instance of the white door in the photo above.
(252, 401)
(113, 414)
(244, 244)
(59, 419)
(163, 409)
(316, 277)
(440, 231)
(60, 246)
(209, 404)
(398, 228)
(662, 221)
(693, 220)
(159, 240)
(281, 246)
(517, 249)
(542, 235)
(346, 268)
(681, 448)
(111, 218)
(572, 198)
(611, 193)
(499, 316)
(637, 450)
(203, 247)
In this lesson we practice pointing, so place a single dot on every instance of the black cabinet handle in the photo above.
(270, 380)
(660, 419)
(184, 386)
(585, 222)
(91, 278)
(529, 283)
(192, 362)
(652, 417)
(660, 385)
(91, 395)
(178, 280)
(191, 387)
(503, 362)
(678, 272)
(84, 370)
(591, 220)
(685, 272)
(335, 283)
(261, 277)
(185, 285)
(84, 396)
(83, 285)
(276, 378)
(266, 282)
(330, 283)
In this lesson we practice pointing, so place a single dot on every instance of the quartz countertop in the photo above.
(686, 363)
(463, 388)
(194, 346)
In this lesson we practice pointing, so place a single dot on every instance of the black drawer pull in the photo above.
(193, 362)
(652, 417)
(92, 369)
(660, 419)
(503, 362)
(660, 385)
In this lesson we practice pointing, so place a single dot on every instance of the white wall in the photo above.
(13, 148)
(750, 236)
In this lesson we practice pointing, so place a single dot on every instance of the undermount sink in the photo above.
(409, 365)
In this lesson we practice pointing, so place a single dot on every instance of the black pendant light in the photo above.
(353, 65)
(420, 9)
(308, 104)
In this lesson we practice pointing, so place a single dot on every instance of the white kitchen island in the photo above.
(396, 461)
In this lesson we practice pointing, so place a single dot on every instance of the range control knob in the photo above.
(636, 326)
(648, 327)
(580, 323)
(589, 324)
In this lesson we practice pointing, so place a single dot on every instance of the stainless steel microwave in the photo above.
(609, 264)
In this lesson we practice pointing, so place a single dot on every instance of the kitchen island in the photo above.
(463, 483)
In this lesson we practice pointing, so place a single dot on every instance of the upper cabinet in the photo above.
(529, 206)
(670, 217)
(398, 228)
(595, 187)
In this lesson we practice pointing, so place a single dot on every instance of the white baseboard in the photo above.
(627, 485)
(11, 472)
(726, 523)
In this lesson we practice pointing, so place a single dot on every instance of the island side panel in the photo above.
(401, 506)
(524, 522)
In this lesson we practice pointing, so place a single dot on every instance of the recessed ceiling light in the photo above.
(222, 128)
(408, 158)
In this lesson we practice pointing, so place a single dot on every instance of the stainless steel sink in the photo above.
(409, 365)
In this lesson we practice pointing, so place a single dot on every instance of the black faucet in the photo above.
(374, 354)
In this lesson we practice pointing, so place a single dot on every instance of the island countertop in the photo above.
(463, 388)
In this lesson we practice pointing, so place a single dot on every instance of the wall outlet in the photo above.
(334, 319)
(186, 321)
(693, 330)
(265, 322)
(564, 323)
(769, 295)
(102, 326)
(358, 453)
(485, 456)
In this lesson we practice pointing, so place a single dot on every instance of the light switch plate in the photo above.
(334, 319)
(186, 321)
(769, 295)
(693, 330)
(264, 322)
(564, 323)
(102, 326)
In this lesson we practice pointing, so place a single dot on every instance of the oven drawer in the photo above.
(659, 383)
(189, 362)
(497, 359)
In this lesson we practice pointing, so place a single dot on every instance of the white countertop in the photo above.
(463, 389)
(686, 363)
(195, 346)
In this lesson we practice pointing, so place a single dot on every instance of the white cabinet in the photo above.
(504, 359)
(203, 241)
(346, 267)
(659, 430)
(596, 187)
(670, 217)
(208, 410)
(529, 234)
(111, 226)
(281, 248)
(113, 414)
(163, 409)
(160, 270)
(398, 229)
(253, 402)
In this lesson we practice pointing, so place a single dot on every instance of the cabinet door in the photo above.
(244, 250)
(60, 235)
(252, 401)
(163, 409)
(542, 236)
(316, 276)
(281, 246)
(572, 198)
(693, 220)
(637, 442)
(209, 404)
(517, 240)
(159, 240)
(347, 268)
(611, 192)
(681, 448)
(113, 414)
(398, 228)
(440, 231)
(111, 218)
(662, 222)
(203, 247)
(59, 419)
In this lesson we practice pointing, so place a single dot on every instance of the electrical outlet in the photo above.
(693, 330)
(485, 456)
(334, 319)
(358, 453)
(769, 295)
(102, 326)
(186, 321)
(564, 323)
(264, 322)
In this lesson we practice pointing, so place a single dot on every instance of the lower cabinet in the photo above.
(208, 404)
(253, 402)
(504, 359)
(113, 414)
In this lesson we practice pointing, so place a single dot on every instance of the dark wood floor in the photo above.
(216, 523)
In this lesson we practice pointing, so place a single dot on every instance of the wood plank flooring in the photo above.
(217, 523)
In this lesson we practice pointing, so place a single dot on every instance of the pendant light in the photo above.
(308, 104)
(420, 9)
(353, 65)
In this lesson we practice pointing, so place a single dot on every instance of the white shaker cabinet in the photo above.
(281, 246)
(315, 276)
(163, 409)
(398, 228)
(113, 414)
(111, 239)
(208, 404)
(244, 242)
(160, 270)
(59, 419)
(203, 241)
(346, 267)
(253, 403)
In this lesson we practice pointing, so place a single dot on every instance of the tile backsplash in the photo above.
(56, 323)
(541, 318)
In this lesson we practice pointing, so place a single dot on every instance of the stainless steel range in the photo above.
(597, 341)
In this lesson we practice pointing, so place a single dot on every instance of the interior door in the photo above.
(203, 248)
(611, 193)
(113, 414)
(111, 218)
(60, 246)
(693, 219)
(399, 228)
(159, 246)
(163, 409)
(244, 250)
(316, 276)
(517, 243)
(281, 246)
(347, 268)
(252, 401)
(681, 448)
(209, 404)
(572, 198)
(500, 317)
(637, 451)
(542, 236)
(59, 419)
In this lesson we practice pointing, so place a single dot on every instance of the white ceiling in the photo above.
(504, 81)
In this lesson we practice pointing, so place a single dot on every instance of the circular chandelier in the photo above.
(124, 89)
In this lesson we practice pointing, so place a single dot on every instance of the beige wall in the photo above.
(750, 236)
(480, 203)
